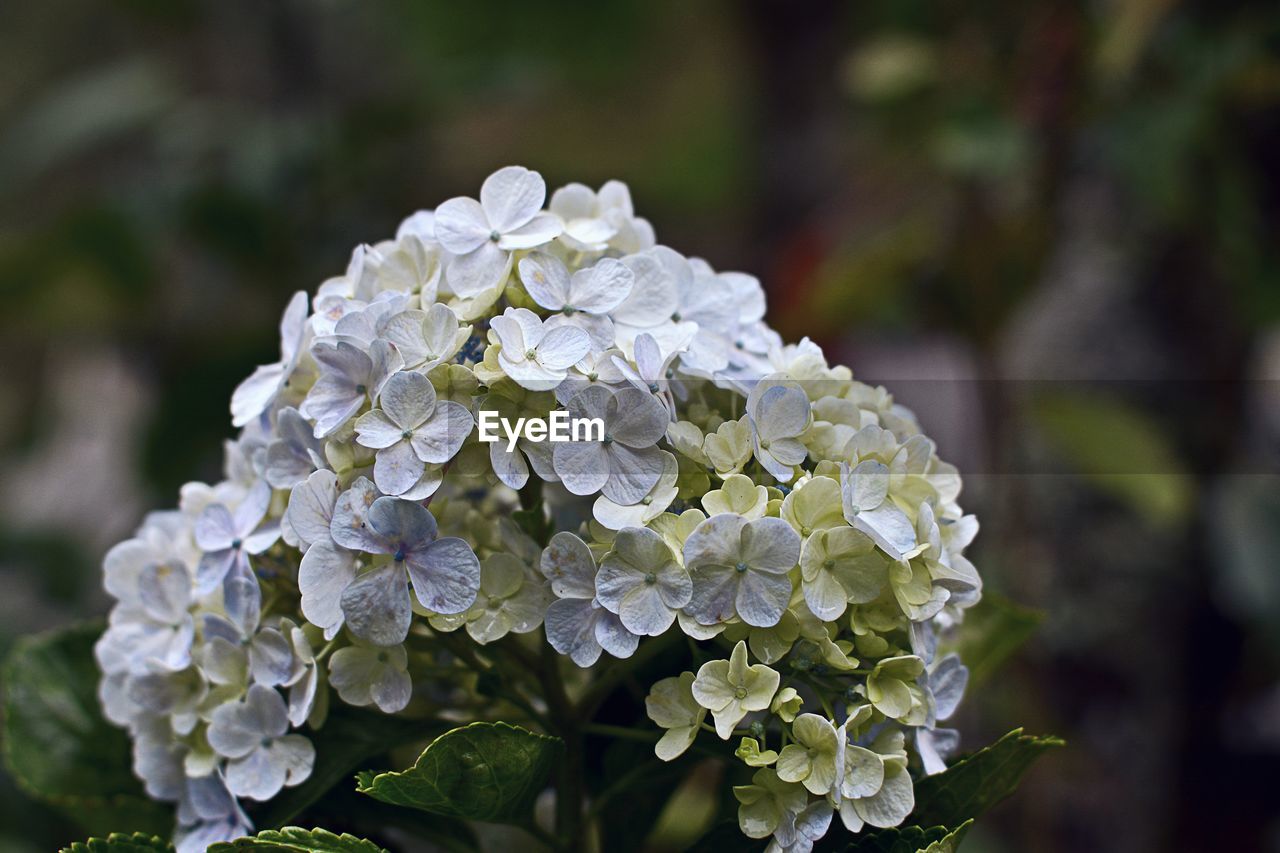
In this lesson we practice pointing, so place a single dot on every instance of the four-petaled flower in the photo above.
(625, 463)
(839, 566)
(445, 573)
(372, 675)
(868, 507)
(228, 538)
(349, 377)
(740, 568)
(256, 394)
(535, 354)
(583, 299)
(482, 234)
(251, 733)
(779, 413)
(643, 582)
(731, 689)
(577, 624)
(410, 430)
(875, 788)
(811, 760)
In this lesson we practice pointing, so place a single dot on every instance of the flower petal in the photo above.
(376, 606)
(445, 575)
(510, 197)
(461, 225)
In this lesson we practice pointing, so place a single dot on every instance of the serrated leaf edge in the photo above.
(289, 835)
(119, 838)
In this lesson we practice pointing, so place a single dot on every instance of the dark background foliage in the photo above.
(1049, 227)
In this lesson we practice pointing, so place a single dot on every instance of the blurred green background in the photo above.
(1049, 227)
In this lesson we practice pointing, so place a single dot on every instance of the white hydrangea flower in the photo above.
(839, 566)
(740, 568)
(585, 298)
(595, 220)
(305, 678)
(326, 568)
(157, 632)
(744, 491)
(263, 759)
(948, 678)
(812, 759)
(411, 429)
(616, 516)
(595, 369)
(535, 355)
(625, 464)
(444, 573)
(654, 295)
(731, 689)
(349, 378)
(228, 538)
(295, 452)
(425, 339)
(867, 506)
(513, 599)
(779, 413)
(577, 624)
(738, 495)
(482, 234)
(413, 262)
(207, 814)
(372, 675)
(876, 789)
(769, 804)
(650, 369)
(642, 581)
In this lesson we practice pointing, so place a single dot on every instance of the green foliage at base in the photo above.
(57, 744)
(348, 738)
(484, 771)
(974, 784)
(911, 839)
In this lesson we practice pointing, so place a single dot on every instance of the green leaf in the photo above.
(349, 737)
(974, 784)
(484, 771)
(119, 842)
(910, 839)
(295, 839)
(57, 744)
(994, 629)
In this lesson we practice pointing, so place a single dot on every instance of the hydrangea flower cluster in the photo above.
(791, 522)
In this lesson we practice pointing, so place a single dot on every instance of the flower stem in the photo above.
(563, 718)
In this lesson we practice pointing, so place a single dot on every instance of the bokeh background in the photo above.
(1052, 228)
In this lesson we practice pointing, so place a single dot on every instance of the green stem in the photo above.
(565, 722)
